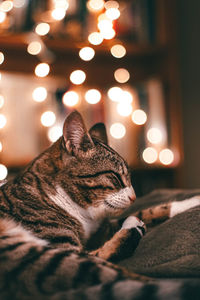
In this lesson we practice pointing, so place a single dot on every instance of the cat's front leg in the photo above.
(124, 241)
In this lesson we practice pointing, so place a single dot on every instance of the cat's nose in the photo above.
(132, 195)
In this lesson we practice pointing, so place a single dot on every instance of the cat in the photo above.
(52, 214)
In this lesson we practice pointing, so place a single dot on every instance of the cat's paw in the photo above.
(134, 222)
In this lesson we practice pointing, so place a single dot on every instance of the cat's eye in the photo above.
(118, 179)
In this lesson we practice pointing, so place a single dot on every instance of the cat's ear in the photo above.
(98, 131)
(75, 134)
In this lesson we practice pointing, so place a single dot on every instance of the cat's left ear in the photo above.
(75, 134)
(98, 131)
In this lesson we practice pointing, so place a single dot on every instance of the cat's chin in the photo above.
(113, 210)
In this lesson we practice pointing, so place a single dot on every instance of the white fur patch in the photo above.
(133, 222)
(63, 200)
(178, 207)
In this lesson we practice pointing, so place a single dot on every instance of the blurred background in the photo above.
(131, 64)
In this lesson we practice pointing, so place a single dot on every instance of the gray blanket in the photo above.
(171, 249)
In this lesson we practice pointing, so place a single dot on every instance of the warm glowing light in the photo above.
(95, 5)
(115, 93)
(61, 4)
(1, 101)
(139, 117)
(1, 146)
(0, 76)
(48, 118)
(127, 97)
(92, 96)
(18, 3)
(70, 98)
(104, 25)
(111, 4)
(6, 6)
(150, 155)
(54, 133)
(117, 130)
(39, 94)
(118, 51)
(34, 48)
(3, 121)
(113, 13)
(58, 14)
(77, 77)
(42, 70)
(95, 38)
(121, 75)
(124, 109)
(3, 172)
(166, 156)
(42, 28)
(108, 34)
(1, 58)
(154, 135)
(2, 16)
(87, 53)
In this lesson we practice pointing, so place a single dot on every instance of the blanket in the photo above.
(170, 249)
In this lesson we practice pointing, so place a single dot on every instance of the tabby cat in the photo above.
(52, 214)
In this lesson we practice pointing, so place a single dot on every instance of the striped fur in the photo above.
(49, 214)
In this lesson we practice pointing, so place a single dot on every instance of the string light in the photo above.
(154, 135)
(1, 58)
(124, 109)
(95, 5)
(108, 34)
(93, 96)
(39, 94)
(113, 13)
(1, 101)
(77, 77)
(42, 29)
(2, 16)
(115, 93)
(95, 38)
(61, 4)
(3, 172)
(166, 156)
(70, 98)
(48, 118)
(18, 3)
(58, 14)
(42, 70)
(1, 146)
(150, 155)
(34, 48)
(6, 6)
(118, 51)
(54, 133)
(121, 75)
(117, 130)
(87, 53)
(139, 117)
(111, 4)
(3, 121)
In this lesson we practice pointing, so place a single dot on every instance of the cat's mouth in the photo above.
(115, 207)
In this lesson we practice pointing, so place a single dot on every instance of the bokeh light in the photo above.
(1, 58)
(61, 4)
(42, 29)
(95, 38)
(95, 5)
(1, 101)
(117, 130)
(18, 3)
(118, 51)
(111, 4)
(113, 13)
(121, 75)
(124, 109)
(70, 98)
(87, 53)
(1, 146)
(42, 70)
(54, 133)
(34, 48)
(58, 14)
(6, 6)
(166, 156)
(92, 96)
(3, 172)
(3, 121)
(115, 94)
(150, 155)
(154, 135)
(48, 118)
(2, 16)
(78, 77)
(39, 94)
(139, 117)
